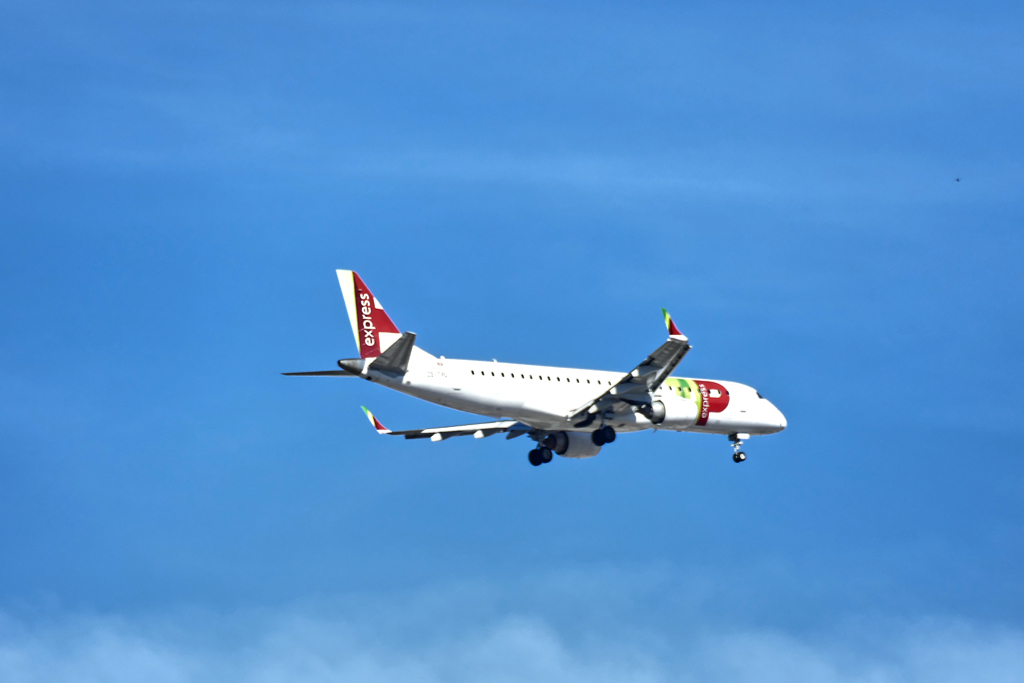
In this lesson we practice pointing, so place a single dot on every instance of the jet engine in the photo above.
(572, 444)
(670, 415)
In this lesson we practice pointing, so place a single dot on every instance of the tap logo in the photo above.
(712, 397)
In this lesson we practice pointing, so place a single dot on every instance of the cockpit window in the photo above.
(759, 394)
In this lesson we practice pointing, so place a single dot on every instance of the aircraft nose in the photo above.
(780, 418)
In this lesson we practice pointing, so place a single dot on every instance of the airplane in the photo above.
(568, 412)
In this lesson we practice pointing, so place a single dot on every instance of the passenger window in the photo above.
(715, 393)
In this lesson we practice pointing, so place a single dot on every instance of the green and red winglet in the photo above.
(381, 429)
(673, 331)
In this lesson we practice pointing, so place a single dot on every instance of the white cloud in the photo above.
(461, 636)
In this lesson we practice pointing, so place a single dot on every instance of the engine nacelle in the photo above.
(654, 412)
(671, 415)
(572, 444)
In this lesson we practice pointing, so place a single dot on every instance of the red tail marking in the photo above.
(372, 320)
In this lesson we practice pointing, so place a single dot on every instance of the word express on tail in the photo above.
(373, 329)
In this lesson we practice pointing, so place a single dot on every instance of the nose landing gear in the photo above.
(737, 443)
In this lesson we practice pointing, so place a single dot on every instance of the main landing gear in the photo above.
(603, 435)
(539, 456)
(737, 443)
(561, 443)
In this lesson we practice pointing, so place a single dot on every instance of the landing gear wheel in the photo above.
(608, 433)
(545, 455)
(737, 443)
(535, 457)
(598, 437)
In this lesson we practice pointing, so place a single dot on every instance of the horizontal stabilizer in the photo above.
(396, 358)
(321, 373)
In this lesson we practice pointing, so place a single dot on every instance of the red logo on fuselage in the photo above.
(709, 402)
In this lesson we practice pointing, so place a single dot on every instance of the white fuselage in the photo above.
(544, 397)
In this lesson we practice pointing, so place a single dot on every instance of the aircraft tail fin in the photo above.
(373, 329)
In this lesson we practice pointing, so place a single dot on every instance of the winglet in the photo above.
(381, 429)
(673, 331)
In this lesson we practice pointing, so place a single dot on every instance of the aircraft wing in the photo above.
(635, 388)
(479, 430)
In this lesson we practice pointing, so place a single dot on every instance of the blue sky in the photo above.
(527, 182)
